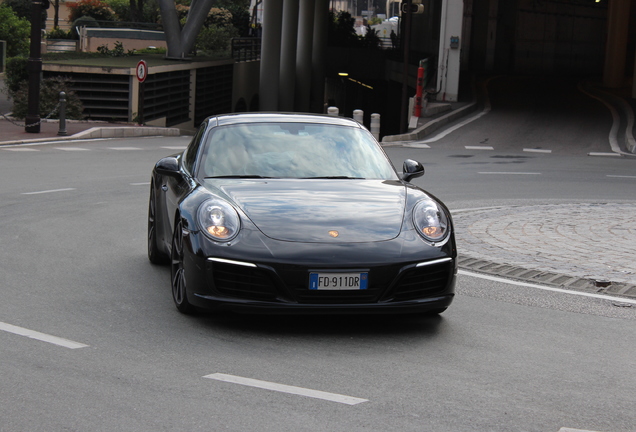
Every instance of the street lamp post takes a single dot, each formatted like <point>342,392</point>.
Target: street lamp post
<point>34,67</point>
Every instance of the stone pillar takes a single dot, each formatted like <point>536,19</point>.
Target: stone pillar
<point>319,53</point>
<point>304,55</point>
<point>270,55</point>
<point>289,44</point>
<point>616,44</point>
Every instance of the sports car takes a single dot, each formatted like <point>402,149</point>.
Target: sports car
<point>298,213</point>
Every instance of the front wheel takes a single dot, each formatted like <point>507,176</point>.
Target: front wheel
<point>154,254</point>
<point>179,293</point>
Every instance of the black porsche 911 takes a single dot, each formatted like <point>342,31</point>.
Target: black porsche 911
<point>295,213</point>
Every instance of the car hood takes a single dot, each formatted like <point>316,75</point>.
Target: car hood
<point>309,210</point>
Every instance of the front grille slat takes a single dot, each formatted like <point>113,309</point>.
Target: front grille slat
<point>416,283</point>
<point>243,282</point>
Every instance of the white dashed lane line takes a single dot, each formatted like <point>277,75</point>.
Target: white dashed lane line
<point>43,337</point>
<point>479,148</point>
<point>20,149</point>
<point>71,149</point>
<point>48,191</point>
<point>529,150</point>
<point>509,173</point>
<point>621,176</point>
<point>282,388</point>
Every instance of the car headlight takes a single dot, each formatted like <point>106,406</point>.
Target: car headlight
<point>430,220</point>
<point>218,220</point>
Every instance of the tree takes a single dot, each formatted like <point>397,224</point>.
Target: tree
<point>15,30</point>
<point>22,9</point>
<point>180,42</point>
<point>90,8</point>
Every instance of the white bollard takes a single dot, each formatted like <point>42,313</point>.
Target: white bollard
<point>358,115</point>
<point>375,125</point>
<point>333,111</point>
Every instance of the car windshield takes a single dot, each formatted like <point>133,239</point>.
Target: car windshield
<point>293,150</point>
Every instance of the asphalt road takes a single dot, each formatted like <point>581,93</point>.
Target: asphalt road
<point>503,357</point>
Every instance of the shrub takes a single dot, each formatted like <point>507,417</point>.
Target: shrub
<point>117,51</point>
<point>91,8</point>
<point>371,39</point>
<point>50,89</point>
<point>15,74</point>
<point>121,9</point>
<point>58,33</point>
<point>215,38</point>
<point>15,31</point>
<point>219,17</point>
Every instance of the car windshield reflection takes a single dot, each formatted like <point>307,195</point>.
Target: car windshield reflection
<point>293,150</point>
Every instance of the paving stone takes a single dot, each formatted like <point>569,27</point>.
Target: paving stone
<point>576,246</point>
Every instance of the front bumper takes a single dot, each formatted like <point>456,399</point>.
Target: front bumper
<point>268,276</point>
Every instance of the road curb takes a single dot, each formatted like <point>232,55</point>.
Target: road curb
<point>104,132</point>
<point>549,278</point>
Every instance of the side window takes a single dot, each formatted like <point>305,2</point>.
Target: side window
<point>193,148</point>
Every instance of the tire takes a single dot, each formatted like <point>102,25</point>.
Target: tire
<point>177,273</point>
<point>154,254</point>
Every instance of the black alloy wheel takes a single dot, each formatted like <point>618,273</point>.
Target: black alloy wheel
<point>154,254</point>
<point>178,276</point>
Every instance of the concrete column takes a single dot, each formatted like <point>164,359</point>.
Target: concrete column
<point>289,44</point>
<point>319,53</point>
<point>270,54</point>
<point>304,55</point>
<point>449,57</point>
<point>634,80</point>
<point>616,45</point>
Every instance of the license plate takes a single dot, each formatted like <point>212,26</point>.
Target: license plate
<point>338,281</point>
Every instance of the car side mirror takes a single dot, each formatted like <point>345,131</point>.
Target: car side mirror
<point>412,169</point>
<point>168,166</point>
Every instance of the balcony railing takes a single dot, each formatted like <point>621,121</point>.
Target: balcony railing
<point>246,49</point>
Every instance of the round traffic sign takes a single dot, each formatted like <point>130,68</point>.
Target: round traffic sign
<point>142,71</point>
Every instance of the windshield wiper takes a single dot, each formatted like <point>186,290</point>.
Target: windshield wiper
<point>334,177</point>
<point>246,176</point>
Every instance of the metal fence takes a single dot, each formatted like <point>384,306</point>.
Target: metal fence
<point>246,49</point>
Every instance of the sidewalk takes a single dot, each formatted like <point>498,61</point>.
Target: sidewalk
<point>12,134</point>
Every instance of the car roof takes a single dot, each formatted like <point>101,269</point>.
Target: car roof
<point>267,117</point>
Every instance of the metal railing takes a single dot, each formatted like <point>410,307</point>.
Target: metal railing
<point>246,49</point>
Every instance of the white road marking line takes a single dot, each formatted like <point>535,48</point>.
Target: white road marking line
<point>530,150</point>
<point>564,429</point>
<point>417,145</point>
<point>48,191</point>
<point>43,337</point>
<point>71,149</point>
<point>457,126</point>
<point>19,149</point>
<point>174,147</point>
<point>547,288</point>
<point>316,394</point>
<point>604,154</point>
<point>124,148</point>
<point>621,176</point>
<point>509,173</point>
<point>140,184</point>
<point>479,147</point>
